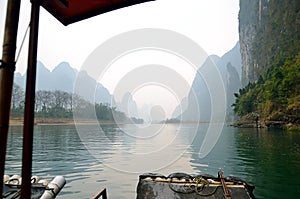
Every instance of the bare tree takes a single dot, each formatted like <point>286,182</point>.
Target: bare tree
<point>44,100</point>
<point>17,97</point>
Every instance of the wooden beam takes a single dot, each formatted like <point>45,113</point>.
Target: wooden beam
<point>7,68</point>
<point>30,101</point>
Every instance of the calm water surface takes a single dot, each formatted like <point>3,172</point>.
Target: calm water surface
<point>268,159</point>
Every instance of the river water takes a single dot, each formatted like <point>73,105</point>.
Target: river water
<point>91,158</point>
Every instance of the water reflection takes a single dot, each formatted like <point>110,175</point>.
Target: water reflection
<point>57,151</point>
<point>271,161</point>
<point>149,149</point>
<point>268,159</point>
<point>219,158</point>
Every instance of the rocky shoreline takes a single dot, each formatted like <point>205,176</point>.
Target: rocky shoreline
<point>253,120</point>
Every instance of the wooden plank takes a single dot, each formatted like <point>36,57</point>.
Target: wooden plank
<point>102,193</point>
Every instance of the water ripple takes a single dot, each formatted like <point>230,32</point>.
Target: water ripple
<point>268,159</point>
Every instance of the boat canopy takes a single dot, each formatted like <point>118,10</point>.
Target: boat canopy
<point>70,11</point>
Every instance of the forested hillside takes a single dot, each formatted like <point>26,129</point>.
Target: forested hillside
<point>270,48</point>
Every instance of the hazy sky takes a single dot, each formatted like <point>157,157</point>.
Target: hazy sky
<point>213,24</point>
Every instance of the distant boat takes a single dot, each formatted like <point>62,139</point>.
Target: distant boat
<point>184,186</point>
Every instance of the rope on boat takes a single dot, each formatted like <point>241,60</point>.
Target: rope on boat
<point>18,55</point>
<point>198,185</point>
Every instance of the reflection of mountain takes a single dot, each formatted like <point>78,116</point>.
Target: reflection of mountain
<point>63,78</point>
<point>221,155</point>
<point>199,102</point>
<point>259,156</point>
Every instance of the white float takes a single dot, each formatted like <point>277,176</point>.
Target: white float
<point>47,190</point>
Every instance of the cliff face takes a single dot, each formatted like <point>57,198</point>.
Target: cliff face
<point>233,86</point>
<point>198,105</point>
<point>250,20</point>
<point>269,35</point>
<point>270,50</point>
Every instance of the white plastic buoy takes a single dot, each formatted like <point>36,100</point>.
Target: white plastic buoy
<point>44,182</point>
<point>34,179</point>
<point>6,178</point>
<point>15,179</point>
<point>55,185</point>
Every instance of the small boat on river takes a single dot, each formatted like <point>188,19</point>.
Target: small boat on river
<point>185,186</point>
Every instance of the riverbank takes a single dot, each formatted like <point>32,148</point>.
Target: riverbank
<point>57,121</point>
<point>253,120</point>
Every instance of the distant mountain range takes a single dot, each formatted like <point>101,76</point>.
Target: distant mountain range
<point>198,105</point>
<point>63,78</point>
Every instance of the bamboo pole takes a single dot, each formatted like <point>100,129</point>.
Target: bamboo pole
<point>7,69</point>
<point>29,101</point>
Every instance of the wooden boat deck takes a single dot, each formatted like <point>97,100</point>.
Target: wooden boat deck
<point>183,186</point>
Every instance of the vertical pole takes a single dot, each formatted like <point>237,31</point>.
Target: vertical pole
<point>7,68</point>
<point>29,101</point>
